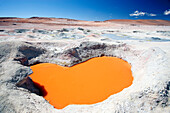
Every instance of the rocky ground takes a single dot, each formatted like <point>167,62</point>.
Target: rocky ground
<point>144,44</point>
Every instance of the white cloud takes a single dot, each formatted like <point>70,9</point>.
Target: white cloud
<point>167,12</point>
<point>151,14</point>
<point>137,13</point>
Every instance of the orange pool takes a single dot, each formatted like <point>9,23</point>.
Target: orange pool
<point>86,83</point>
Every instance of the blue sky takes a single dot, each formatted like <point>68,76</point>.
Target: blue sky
<point>98,10</point>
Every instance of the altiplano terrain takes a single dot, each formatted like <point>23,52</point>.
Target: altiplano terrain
<point>144,44</point>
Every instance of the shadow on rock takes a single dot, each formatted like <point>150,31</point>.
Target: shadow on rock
<point>33,87</point>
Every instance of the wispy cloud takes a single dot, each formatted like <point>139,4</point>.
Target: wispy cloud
<point>167,12</point>
<point>137,13</point>
<point>151,14</point>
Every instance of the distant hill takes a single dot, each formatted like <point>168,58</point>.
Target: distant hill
<point>38,22</point>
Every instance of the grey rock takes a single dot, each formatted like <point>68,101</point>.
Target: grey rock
<point>21,30</point>
<point>19,94</point>
<point>2,30</point>
<point>40,31</point>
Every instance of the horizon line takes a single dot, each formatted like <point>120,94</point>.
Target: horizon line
<point>42,17</point>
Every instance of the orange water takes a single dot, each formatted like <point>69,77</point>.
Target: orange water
<point>86,83</point>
